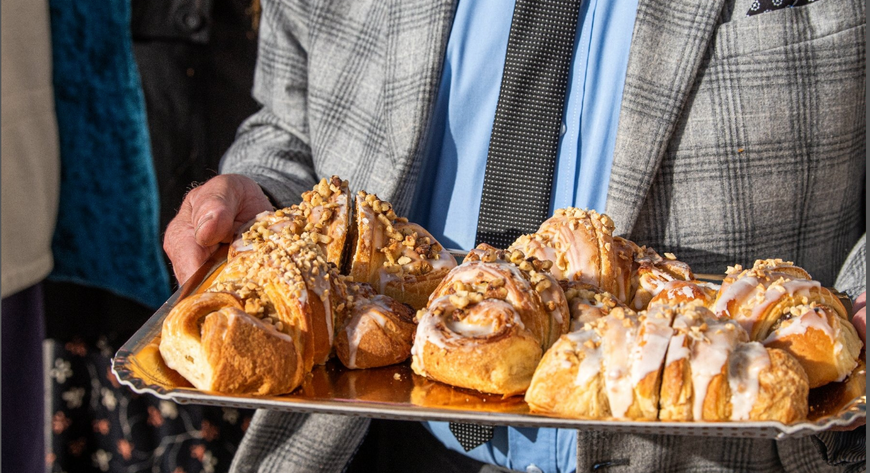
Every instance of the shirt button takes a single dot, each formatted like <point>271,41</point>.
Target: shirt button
<point>563,129</point>
<point>534,468</point>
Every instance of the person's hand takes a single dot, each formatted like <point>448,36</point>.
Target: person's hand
<point>859,317</point>
<point>859,320</point>
<point>210,215</point>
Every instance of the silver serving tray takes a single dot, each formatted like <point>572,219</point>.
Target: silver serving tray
<point>395,392</point>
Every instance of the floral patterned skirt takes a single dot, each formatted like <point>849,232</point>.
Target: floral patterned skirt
<point>96,424</point>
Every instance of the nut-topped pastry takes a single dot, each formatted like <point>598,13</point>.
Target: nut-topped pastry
<point>611,367</point>
<point>324,211</point>
<point>582,247</point>
<point>825,344</point>
<point>288,281</point>
<point>398,258</point>
<point>489,321</point>
<point>378,330</point>
<point>587,303</point>
<point>653,274</point>
<point>287,297</point>
<point>757,297</point>
<point>713,372</point>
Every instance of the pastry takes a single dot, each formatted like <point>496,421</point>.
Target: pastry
<point>826,345</point>
<point>610,368</point>
<point>488,322</point>
<point>282,289</point>
<point>214,344</point>
<point>398,258</point>
<point>287,280</point>
<point>378,330</point>
<point>777,303</point>
<point>757,297</point>
<point>714,373</point>
<point>587,303</point>
<point>677,292</point>
<point>325,210</point>
<point>651,274</point>
<point>671,363</point>
<point>582,247</point>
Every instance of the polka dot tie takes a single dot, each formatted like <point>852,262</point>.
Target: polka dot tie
<point>470,436</point>
<point>525,134</point>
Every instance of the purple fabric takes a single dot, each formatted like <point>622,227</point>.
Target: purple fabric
<point>22,328</point>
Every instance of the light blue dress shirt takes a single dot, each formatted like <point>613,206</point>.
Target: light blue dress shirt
<point>448,197</point>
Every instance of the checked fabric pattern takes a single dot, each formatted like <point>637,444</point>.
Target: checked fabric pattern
<point>525,133</point>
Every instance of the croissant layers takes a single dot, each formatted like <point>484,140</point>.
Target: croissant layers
<point>669,363</point>
<point>779,305</point>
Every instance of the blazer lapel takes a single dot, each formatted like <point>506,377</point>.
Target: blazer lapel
<point>417,33</point>
<point>668,45</point>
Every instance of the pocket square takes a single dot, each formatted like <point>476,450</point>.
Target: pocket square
<point>764,6</point>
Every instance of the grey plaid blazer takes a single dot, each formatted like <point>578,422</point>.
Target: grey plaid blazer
<point>739,138</point>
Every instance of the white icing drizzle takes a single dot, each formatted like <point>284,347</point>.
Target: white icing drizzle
<point>710,349</point>
<point>590,365</point>
<point>619,353</point>
<point>745,288</point>
<point>677,348</point>
<point>364,319</point>
<point>811,318</point>
<point>653,339</point>
<point>745,364</point>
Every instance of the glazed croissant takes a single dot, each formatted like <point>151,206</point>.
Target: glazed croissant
<point>398,258</point>
<point>581,245</point>
<point>779,305</point>
<point>583,248</point>
<point>489,321</point>
<point>378,330</point>
<point>669,363</point>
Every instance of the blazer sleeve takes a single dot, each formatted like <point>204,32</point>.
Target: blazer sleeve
<point>852,279</point>
<point>272,146</point>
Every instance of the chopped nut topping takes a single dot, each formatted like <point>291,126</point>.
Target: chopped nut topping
<point>458,301</point>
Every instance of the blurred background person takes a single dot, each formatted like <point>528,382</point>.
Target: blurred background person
<point>147,95</point>
<point>30,165</point>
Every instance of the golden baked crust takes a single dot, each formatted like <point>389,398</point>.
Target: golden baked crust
<point>214,344</point>
<point>824,344</point>
<point>398,258</point>
<point>378,332</point>
<point>488,323</point>
<point>609,368</point>
<point>582,247</point>
<point>325,211</point>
